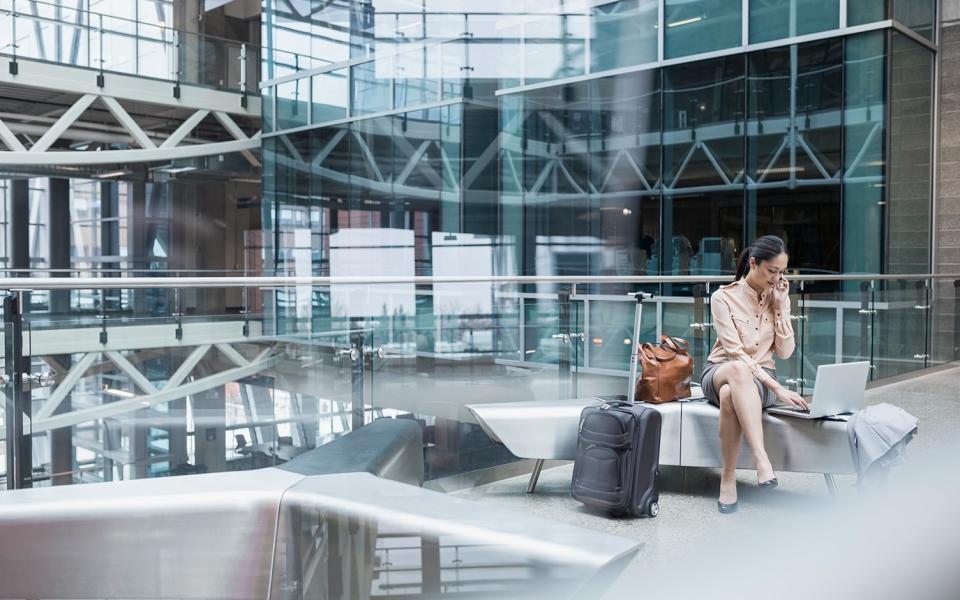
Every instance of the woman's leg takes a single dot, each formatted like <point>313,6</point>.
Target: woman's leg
<point>747,404</point>
<point>730,436</point>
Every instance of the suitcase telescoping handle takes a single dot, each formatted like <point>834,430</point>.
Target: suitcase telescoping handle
<point>637,315</point>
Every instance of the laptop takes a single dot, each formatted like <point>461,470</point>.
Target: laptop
<point>838,391</point>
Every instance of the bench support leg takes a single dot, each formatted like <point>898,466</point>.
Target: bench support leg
<point>534,476</point>
<point>831,484</point>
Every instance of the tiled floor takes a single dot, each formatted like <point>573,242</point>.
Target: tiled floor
<point>689,518</point>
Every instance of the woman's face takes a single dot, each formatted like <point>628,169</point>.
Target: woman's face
<point>767,273</point>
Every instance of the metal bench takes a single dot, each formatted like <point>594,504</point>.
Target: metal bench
<point>547,430</point>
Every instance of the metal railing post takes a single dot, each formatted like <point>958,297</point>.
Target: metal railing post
<point>100,79</point>
<point>357,341</point>
<point>243,75</point>
<point>18,418</point>
<point>178,70</point>
<point>563,338</point>
<point>14,65</point>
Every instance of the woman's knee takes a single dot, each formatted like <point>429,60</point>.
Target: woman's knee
<point>737,373</point>
<point>726,398</point>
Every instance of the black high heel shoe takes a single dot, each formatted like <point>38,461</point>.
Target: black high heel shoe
<point>726,509</point>
<point>769,484</point>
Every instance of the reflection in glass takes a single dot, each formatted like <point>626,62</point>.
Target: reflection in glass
<point>777,19</point>
<point>918,15</point>
<point>623,33</point>
<point>293,101</point>
<point>860,12</point>
<point>697,26</point>
<point>329,100</point>
<point>864,164</point>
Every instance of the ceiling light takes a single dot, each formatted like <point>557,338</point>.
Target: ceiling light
<point>685,22</point>
<point>117,393</point>
<point>111,174</point>
<point>173,170</point>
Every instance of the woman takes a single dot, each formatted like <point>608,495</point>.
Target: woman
<point>752,320</point>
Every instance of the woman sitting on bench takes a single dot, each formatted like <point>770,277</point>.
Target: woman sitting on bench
<point>752,320</point>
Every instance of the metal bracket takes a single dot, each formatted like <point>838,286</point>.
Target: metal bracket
<point>378,351</point>
<point>921,356</point>
<point>700,326</point>
<point>922,307</point>
<point>867,311</point>
<point>352,352</point>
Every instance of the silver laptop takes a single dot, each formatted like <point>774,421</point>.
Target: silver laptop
<point>838,391</point>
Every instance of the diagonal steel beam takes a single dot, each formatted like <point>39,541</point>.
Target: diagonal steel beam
<point>121,407</point>
<point>368,155</point>
<point>813,157</point>
<point>412,163</point>
<point>63,123</point>
<point>138,378</point>
<point>233,129</point>
<point>66,386</point>
<point>231,353</point>
<point>123,117</point>
<point>185,128</point>
<point>10,139</point>
<point>188,364</point>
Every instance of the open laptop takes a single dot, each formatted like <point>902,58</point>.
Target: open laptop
<point>838,391</point>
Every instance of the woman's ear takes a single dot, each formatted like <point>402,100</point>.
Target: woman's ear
<point>753,263</point>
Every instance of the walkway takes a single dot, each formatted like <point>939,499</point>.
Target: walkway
<point>688,517</point>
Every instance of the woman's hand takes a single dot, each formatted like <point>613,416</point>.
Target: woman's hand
<point>781,294</point>
<point>792,398</point>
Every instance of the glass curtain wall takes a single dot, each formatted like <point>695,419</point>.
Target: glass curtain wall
<point>706,156</point>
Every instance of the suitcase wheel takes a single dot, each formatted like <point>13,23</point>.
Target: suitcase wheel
<point>653,510</point>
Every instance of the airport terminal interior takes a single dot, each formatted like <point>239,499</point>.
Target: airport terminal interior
<point>304,298</point>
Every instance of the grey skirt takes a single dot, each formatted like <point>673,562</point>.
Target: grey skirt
<point>712,393</point>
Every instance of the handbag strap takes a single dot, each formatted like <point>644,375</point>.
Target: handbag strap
<point>675,343</point>
<point>647,351</point>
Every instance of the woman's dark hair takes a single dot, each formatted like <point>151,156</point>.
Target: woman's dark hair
<point>763,248</point>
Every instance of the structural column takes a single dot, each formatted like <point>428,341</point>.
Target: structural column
<point>62,458</point>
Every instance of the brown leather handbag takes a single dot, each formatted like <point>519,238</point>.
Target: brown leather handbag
<point>667,369</point>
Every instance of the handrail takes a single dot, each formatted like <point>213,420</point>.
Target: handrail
<point>133,22</point>
<point>104,283</point>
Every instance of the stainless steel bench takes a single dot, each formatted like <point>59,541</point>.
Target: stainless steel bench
<point>547,430</point>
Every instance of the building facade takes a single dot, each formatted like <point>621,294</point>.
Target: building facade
<point>622,138</point>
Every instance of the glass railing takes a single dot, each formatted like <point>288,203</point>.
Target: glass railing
<point>174,375</point>
<point>59,34</point>
<point>406,76</point>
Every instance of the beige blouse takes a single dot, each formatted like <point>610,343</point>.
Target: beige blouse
<point>749,328</point>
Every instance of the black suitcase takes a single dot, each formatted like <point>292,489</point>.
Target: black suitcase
<point>618,458</point>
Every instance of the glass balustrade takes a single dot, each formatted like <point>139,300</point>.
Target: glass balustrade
<point>166,380</point>
<point>58,34</point>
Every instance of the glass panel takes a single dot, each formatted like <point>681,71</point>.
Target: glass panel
<point>864,165</point>
<point>416,76</point>
<point>623,33</point>
<point>866,11</point>
<point>625,173</point>
<point>293,101</point>
<point>269,119</point>
<point>911,132</point>
<point>555,47</point>
<point>918,15</point>
<point>371,83</point>
<point>697,26</point>
<point>900,327</point>
<point>777,19</point>
<point>329,101</point>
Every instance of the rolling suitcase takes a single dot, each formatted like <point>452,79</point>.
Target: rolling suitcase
<point>618,448</point>
<point>618,457</point>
